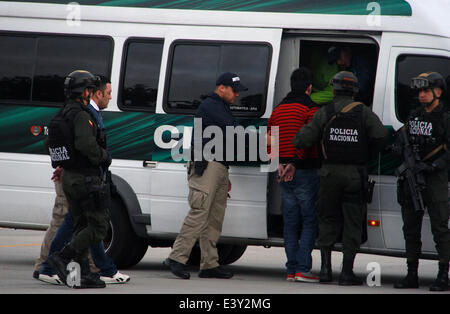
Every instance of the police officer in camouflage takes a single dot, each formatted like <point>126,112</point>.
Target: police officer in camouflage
<point>350,134</point>
<point>86,192</point>
<point>428,130</point>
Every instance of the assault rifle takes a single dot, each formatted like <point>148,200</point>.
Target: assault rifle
<point>409,170</point>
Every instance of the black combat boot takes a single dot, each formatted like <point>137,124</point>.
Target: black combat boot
<point>411,280</point>
<point>217,272</point>
<point>87,279</point>
<point>177,268</point>
<point>441,283</point>
<point>326,274</point>
<point>347,277</point>
<point>59,261</point>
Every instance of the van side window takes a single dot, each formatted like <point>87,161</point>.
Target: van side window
<point>34,66</point>
<point>409,66</point>
<point>140,74</point>
<point>195,67</point>
<point>17,57</point>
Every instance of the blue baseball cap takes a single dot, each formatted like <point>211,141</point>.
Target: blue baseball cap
<point>232,80</point>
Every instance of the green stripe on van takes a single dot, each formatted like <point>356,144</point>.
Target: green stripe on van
<point>130,135</point>
<point>351,7</point>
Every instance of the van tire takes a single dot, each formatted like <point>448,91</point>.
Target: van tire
<point>122,244</point>
<point>228,253</point>
<point>233,255</point>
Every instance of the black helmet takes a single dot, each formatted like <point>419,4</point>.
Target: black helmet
<point>428,80</point>
<point>345,81</point>
<point>77,81</point>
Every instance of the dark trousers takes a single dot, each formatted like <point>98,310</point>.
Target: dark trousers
<point>97,250</point>
<point>341,210</point>
<point>299,212</point>
<point>435,197</point>
<point>90,219</point>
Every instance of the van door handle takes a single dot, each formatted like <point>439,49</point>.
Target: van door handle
<point>149,164</point>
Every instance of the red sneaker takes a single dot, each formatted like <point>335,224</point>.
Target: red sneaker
<point>306,277</point>
<point>290,278</point>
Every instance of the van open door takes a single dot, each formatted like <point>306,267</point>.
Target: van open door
<point>193,57</point>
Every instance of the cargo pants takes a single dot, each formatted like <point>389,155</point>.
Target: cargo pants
<point>90,219</point>
<point>435,197</point>
<point>208,200</point>
<point>60,210</point>
<point>341,208</point>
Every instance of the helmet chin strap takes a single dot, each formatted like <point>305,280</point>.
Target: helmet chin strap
<point>88,98</point>
<point>428,104</point>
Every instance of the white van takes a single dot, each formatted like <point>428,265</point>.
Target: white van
<point>163,57</point>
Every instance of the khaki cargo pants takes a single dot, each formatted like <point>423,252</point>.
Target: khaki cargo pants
<point>208,200</point>
<point>60,210</point>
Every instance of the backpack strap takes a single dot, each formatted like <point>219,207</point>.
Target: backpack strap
<point>331,114</point>
<point>435,151</point>
<point>351,106</point>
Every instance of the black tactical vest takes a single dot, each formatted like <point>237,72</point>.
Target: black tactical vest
<point>344,138</point>
<point>426,131</point>
<point>61,142</point>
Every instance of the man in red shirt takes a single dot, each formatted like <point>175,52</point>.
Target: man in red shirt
<point>298,176</point>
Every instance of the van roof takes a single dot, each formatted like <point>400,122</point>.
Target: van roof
<point>411,16</point>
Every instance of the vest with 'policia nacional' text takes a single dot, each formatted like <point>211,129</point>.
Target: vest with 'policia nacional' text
<point>426,131</point>
<point>61,144</point>
<point>344,140</point>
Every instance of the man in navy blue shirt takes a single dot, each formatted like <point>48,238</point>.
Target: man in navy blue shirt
<point>208,185</point>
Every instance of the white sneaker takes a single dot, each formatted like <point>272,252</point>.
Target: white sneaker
<point>54,279</point>
<point>117,278</point>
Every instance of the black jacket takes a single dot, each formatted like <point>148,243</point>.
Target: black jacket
<point>213,111</point>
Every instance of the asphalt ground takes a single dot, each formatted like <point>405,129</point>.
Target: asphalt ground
<point>259,282</point>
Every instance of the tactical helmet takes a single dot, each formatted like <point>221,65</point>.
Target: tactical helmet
<point>428,80</point>
<point>77,81</point>
<point>345,81</point>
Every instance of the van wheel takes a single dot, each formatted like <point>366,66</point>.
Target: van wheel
<point>121,243</point>
<point>233,255</point>
<point>228,254</point>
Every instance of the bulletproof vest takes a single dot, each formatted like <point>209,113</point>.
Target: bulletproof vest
<point>344,138</point>
<point>426,131</point>
<point>61,140</point>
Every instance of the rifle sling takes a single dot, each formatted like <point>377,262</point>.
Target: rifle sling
<point>344,110</point>
<point>435,151</point>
